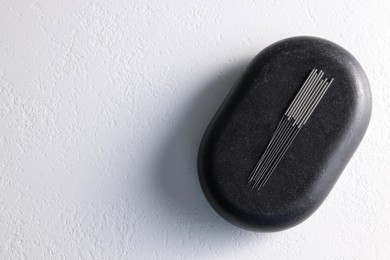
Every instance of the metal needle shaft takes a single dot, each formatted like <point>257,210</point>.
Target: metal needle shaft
<point>295,117</point>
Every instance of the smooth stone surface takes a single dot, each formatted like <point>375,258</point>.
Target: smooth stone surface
<point>246,121</point>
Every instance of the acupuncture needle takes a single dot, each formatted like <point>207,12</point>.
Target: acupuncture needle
<point>306,95</point>
<point>308,82</point>
<point>294,118</point>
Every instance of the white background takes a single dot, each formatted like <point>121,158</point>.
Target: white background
<point>102,107</point>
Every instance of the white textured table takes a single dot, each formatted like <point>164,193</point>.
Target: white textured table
<point>102,107</point>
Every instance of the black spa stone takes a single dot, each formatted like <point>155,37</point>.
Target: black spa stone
<point>244,124</point>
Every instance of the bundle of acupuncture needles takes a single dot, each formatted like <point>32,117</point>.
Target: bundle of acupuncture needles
<point>297,114</point>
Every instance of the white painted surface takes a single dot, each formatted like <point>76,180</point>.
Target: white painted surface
<point>102,107</point>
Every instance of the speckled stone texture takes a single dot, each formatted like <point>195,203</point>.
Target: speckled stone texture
<point>240,132</point>
<point>103,105</point>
